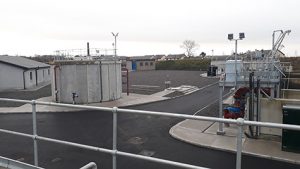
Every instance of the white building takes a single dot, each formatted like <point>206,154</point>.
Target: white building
<point>21,73</point>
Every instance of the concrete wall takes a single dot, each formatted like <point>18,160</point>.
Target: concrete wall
<point>91,82</point>
<point>42,77</point>
<point>30,82</point>
<point>11,77</point>
<point>271,111</point>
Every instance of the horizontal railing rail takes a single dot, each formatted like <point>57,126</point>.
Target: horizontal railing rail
<point>114,152</point>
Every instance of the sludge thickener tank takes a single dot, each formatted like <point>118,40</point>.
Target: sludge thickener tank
<point>86,81</point>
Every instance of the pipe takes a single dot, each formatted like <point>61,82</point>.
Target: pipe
<point>88,49</point>
<point>101,83</point>
<point>127,74</point>
<point>24,83</point>
<point>55,84</point>
<point>36,76</point>
<point>251,102</point>
<point>257,106</point>
<point>90,165</point>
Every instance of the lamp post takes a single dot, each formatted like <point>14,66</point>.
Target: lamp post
<point>115,35</point>
<point>230,37</point>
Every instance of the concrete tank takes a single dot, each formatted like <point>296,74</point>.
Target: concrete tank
<point>88,81</point>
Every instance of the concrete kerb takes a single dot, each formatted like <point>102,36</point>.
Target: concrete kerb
<point>49,111</point>
<point>232,151</point>
<point>172,133</point>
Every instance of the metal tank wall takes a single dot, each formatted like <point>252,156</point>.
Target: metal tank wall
<point>91,81</point>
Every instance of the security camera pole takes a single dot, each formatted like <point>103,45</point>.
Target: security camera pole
<point>230,37</point>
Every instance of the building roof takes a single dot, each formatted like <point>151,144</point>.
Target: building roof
<point>22,62</point>
<point>144,58</point>
<point>175,56</point>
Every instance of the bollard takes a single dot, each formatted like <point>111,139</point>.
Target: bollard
<point>35,146</point>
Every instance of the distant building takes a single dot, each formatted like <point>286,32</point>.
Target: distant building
<point>140,63</point>
<point>219,61</point>
<point>21,73</point>
<point>261,54</point>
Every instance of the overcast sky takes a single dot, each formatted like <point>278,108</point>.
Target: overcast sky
<point>145,27</point>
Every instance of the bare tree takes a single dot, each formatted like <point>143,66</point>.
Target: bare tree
<point>202,54</point>
<point>190,46</point>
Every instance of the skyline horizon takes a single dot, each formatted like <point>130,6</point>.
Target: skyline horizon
<point>145,27</point>
<point>124,48</point>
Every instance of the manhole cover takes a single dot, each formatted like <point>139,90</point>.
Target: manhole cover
<point>147,153</point>
<point>136,140</point>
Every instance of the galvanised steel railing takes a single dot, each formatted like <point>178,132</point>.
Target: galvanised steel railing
<point>114,152</point>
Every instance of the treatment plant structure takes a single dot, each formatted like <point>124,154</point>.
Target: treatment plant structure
<point>84,82</point>
<point>256,81</point>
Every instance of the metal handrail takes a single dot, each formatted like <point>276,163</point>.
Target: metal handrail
<point>90,165</point>
<point>114,152</point>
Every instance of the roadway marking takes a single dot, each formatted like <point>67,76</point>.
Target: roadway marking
<point>149,86</point>
<point>211,104</point>
<point>207,86</point>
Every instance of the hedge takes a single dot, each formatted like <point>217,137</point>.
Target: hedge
<point>185,64</point>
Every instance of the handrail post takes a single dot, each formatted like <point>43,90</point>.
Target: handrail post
<point>114,158</point>
<point>34,126</point>
<point>239,142</point>
<point>220,129</point>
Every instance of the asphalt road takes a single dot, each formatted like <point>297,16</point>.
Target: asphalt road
<point>140,134</point>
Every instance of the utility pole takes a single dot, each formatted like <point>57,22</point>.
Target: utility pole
<point>115,36</point>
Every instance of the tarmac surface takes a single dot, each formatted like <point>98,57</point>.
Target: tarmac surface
<point>150,82</point>
<point>31,94</point>
<point>139,134</point>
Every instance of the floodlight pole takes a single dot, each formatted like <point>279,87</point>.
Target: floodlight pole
<point>235,62</point>
<point>230,37</point>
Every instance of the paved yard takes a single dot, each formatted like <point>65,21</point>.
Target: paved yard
<point>149,82</point>
<point>141,82</point>
<point>24,95</point>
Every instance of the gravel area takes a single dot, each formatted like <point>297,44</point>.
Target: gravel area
<point>149,82</point>
<point>24,95</point>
